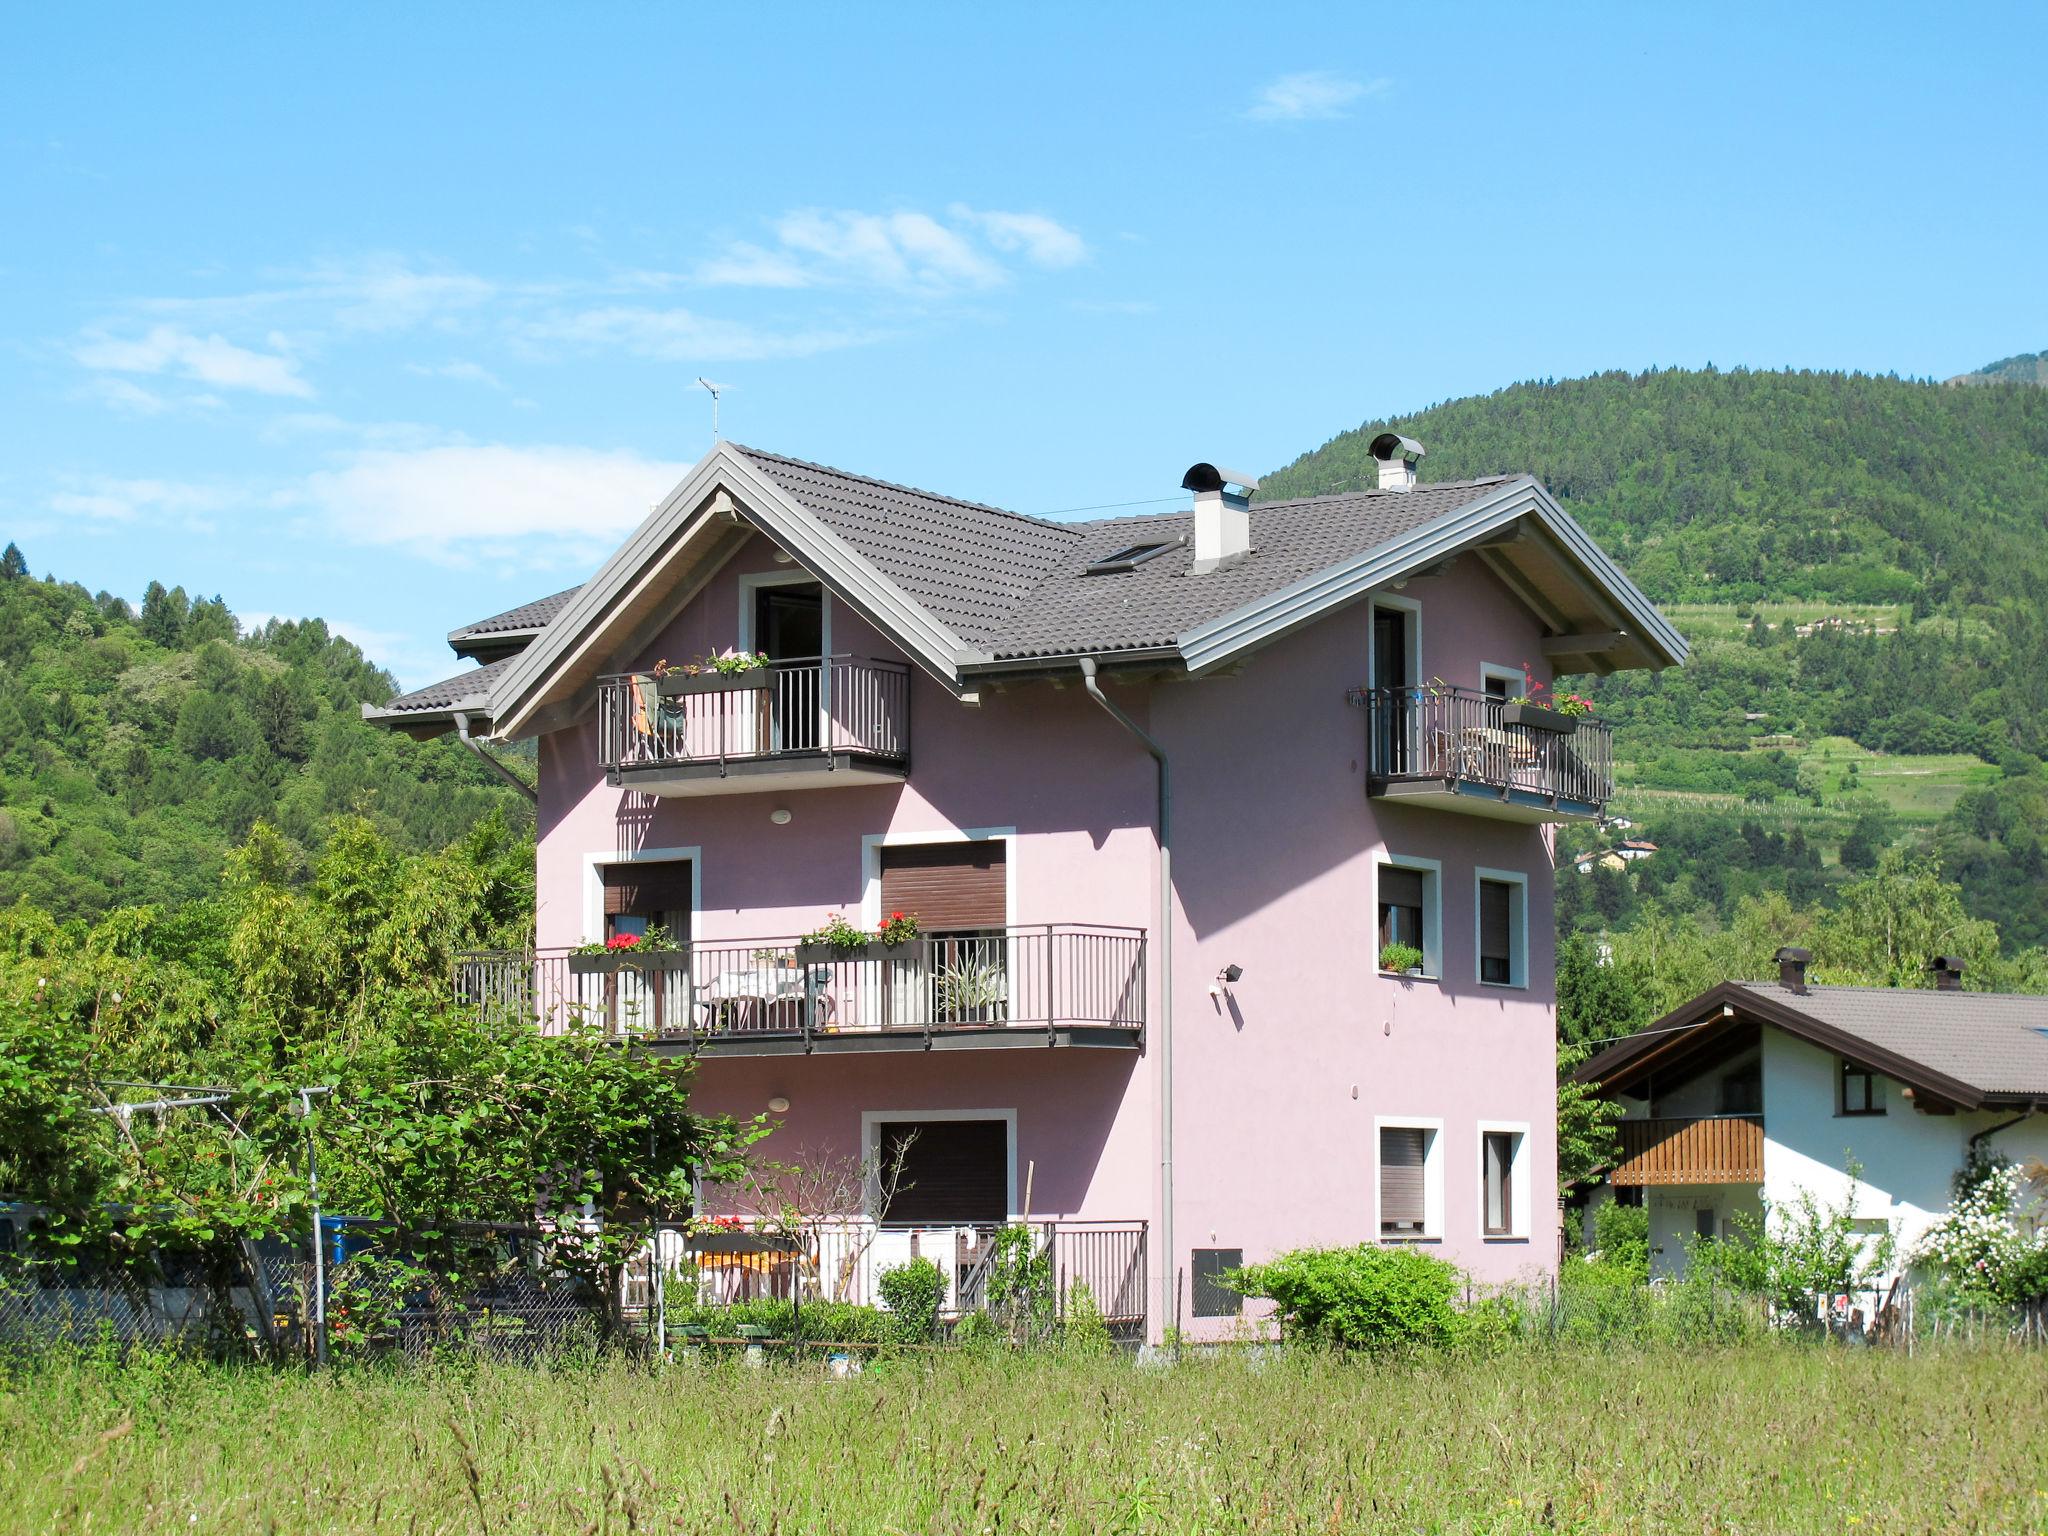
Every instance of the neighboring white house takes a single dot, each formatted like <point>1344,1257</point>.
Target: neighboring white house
<point>1755,1091</point>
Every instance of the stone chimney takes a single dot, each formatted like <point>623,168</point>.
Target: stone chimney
<point>1792,964</point>
<point>1223,516</point>
<point>1398,457</point>
<point>1948,972</point>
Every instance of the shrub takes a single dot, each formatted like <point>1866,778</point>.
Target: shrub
<point>1087,1330</point>
<point>1621,1236</point>
<point>829,1322</point>
<point>1358,1298</point>
<point>912,1292</point>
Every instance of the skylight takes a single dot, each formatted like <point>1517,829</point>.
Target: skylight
<point>1129,557</point>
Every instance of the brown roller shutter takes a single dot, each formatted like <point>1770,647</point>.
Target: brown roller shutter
<point>946,886</point>
<point>1495,902</point>
<point>955,1172</point>
<point>649,890</point>
<point>1400,887</point>
<point>1402,1149</point>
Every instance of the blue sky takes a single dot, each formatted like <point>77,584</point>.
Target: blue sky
<point>393,315</point>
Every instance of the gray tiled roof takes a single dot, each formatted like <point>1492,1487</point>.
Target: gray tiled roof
<point>1993,1041</point>
<point>469,689</point>
<point>1017,586</point>
<point>533,615</point>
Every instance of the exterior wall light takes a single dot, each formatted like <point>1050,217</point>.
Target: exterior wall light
<point>780,816</point>
<point>778,1105</point>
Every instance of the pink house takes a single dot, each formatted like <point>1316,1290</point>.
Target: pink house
<point>1157,790</point>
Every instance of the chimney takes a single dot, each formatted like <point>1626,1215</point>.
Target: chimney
<point>1792,965</point>
<point>1948,972</point>
<point>1398,457</point>
<point>1223,516</point>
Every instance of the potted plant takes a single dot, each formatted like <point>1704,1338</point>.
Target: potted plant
<point>1536,708</point>
<point>840,940</point>
<point>729,671</point>
<point>1401,959</point>
<point>651,951</point>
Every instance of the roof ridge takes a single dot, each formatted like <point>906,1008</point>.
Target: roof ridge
<point>897,485</point>
<point>1136,519</point>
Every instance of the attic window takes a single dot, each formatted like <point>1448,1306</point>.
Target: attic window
<point>1129,558</point>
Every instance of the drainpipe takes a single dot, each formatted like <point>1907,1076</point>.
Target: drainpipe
<point>1978,1140</point>
<point>490,762</point>
<point>1087,664</point>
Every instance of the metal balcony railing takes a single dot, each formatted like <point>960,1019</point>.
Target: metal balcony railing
<point>815,706</point>
<point>1050,978</point>
<point>1459,735</point>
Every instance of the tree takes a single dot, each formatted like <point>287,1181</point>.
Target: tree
<point>1889,926</point>
<point>163,615</point>
<point>13,563</point>
<point>1595,1001</point>
<point>1586,1140</point>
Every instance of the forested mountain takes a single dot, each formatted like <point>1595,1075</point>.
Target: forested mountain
<point>2022,368</point>
<point>1715,487</point>
<point>137,748</point>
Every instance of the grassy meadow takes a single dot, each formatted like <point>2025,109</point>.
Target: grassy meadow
<point>1763,1438</point>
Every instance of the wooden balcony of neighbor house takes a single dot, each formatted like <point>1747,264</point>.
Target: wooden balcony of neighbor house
<point>1461,750</point>
<point>1701,1149</point>
<point>805,724</point>
<point>1057,984</point>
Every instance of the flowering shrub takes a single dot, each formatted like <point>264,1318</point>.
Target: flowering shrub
<point>897,929</point>
<point>837,933</point>
<point>1576,705</point>
<point>656,937</point>
<point>1980,1242</point>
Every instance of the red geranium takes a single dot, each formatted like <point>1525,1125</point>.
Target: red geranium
<point>622,941</point>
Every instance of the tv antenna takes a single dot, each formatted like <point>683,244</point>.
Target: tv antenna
<point>715,390</point>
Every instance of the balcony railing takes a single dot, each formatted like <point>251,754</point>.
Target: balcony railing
<point>1056,983</point>
<point>818,707</point>
<point>1470,744</point>
<point>840,1259</point>
<point>1701,1149</point>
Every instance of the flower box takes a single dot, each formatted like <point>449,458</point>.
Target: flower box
<point>1534,717</point>
<point>744,1242</point>
<point>679,685</point>
<point>874,949</point>
<point>613,961</point>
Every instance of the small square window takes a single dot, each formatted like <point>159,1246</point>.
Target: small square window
<point>1862,1091</point>
<point>1212,1298</point>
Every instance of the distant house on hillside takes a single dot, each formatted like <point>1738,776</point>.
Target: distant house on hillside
<point>1154,790</point>
<point>1754,1091</point>
<point>1622,854</point>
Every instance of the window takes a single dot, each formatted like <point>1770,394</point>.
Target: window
<point>1411,1191</point>
<point>1503,928</point>
<point>647,894</point>
<point>1742,1090</point>
<point>1503,1180</point>
<point>1128,558</point>
<point>1212,1297</point>
<point>1862,1090</point>
<point>1408,909</point>
<point>952,1172</point>
<point>1703,1223</point>
<point>959,894</point>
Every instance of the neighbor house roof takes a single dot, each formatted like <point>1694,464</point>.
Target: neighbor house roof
<point>1969,1049</point>
<point>970,590</point>
<point>504,634</point>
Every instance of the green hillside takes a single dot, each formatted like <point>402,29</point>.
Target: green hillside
<point>1859,563</point>
<point>137,749</point>
<point>2021,368</point>
<point>1715,487</point>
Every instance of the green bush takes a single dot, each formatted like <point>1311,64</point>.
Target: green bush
<point>1087,1330</point>
<point>1358,1298</point>
<point>1621,1236</point>
<point>828,1322</point>
<point>913,1292</point>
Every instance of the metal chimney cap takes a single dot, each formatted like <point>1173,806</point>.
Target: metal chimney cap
<point>1207,477</point>
<point>1791,956</point>
<point>1390,445</point>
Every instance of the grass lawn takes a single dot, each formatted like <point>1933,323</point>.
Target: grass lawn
<point>1764,1438</point>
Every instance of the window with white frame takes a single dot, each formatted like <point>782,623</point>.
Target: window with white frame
<point>1502,924</point>
<point>1410,1179</point>
<point>1409,908</point>
<point>1503,1180</point>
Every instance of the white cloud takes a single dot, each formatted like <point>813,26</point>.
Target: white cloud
<point>466,372</point>
<point>681,335</point>
<point>1045,242</point>
<point>904,250</point>
<point>388,293</point>
<point>214,360</point>
<point>455,503</point>
<point>1313,94</point>
<point>107,498</point>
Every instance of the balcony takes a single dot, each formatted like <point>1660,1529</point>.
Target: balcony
<point>1704,1149</point>
<point>1460,750</point>
<point>807,724</point>
<point>1053,985</point>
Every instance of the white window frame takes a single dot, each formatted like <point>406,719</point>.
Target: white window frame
<point>750,587</point>
<point>1515,677</point>
<point>872,1120</point>
<point>1518,927</point>
<point>1412,623</point>
<point>593,884</point>
<point>1520,1227</point>
<point>1432,1176</point>
<point>1432,872</point>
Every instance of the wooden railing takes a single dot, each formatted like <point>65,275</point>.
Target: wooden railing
<point>1456,734</point>
<point>814,706</point>
<point>1703,1149</point>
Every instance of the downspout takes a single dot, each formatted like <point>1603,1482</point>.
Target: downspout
<point>1088,679</point>
<point>1977,1140</point>
<point>490,762</point>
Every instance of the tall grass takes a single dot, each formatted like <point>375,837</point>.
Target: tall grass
<point>1763,1438</point>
